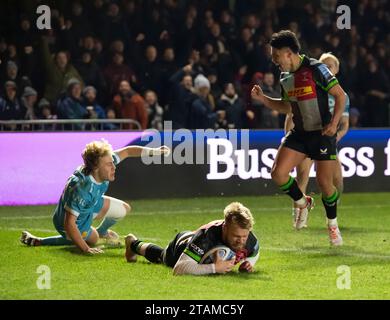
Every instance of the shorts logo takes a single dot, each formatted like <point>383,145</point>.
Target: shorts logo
<point>301,91</point>
<point>324,151</point>
<point>197,249</point>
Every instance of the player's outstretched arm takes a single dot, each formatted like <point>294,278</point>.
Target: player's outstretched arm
<point>74,234</point>
<point>271,103</point>
<point>186,265</point>
<point>138,151</point>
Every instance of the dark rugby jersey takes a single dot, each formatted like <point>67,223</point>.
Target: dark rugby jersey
<point>210,236</point>
<point>307,91</point>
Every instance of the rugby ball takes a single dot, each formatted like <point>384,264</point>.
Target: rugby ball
<point>224,252</point>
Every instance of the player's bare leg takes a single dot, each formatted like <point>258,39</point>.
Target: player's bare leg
<point>287,159</point>
<point>330,196</point>
<point>303,171</point>
<point>338,177</point>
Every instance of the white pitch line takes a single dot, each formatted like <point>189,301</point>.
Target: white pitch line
<point>192,211</point>
<point>25,217</point>
<point>54,231</point>
<point>22,229</point>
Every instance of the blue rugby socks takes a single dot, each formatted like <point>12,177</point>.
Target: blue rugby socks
<point>105,225</point>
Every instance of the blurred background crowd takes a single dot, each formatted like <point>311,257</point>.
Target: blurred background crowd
<point>192,62</point>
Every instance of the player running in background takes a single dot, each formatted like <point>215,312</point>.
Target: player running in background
<point>186,250</point>
<point>303,169</point>
<point>305,86</point>
<point>83,199</point>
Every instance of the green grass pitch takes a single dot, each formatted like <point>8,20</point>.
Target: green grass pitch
<point>293,265</point>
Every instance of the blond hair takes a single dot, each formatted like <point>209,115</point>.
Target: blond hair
<point>329,55</point>
<point>93,152</point>
<point>238,214</point>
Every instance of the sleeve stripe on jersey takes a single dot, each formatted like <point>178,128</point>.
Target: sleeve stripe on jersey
<point>75,213</point>
<point>331,84</point>
<point>192,255</point>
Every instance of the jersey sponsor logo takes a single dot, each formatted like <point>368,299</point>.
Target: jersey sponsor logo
<point>300,91</point>
<point>197,249</point>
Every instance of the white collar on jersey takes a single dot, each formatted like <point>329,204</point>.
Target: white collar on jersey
<point>93,180</point>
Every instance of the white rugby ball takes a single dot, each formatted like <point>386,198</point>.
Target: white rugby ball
<point>224,252</point>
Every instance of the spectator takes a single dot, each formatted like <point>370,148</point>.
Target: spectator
<point>202,112</point>
<point>150,71</point>
<point>187,35</point>
<point>29,101</point>
<point>208,57</point>
<point>114,24</point>
<point>354,118</point>
<point>168,67</point>
<point>215,89</point>
<point>253,107</point>
<point>58,72</point>
<point>110,114</point>
<point>70,106</point>
<point>25,35</point>
<point>45,113</point>
<point>155,111</point>
<point>376,88</point>
<point>269,118</point>
<point>80,24</point>
<point>233,108</point>
<point>128,104</point>
<point>181,97</point>
<point>90,103</point>
<point>228,26</point>
<point>91,73</point>
<point>12,54</point>
<point>97,16</point>
<point>12,74</point>
<point>232,44</point>
<point>10,105</point>
<point>116,72</point>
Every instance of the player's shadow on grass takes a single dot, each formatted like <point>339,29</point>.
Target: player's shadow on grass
<point>240,276</point>
<point>108,252</point>
<point>235,274</point>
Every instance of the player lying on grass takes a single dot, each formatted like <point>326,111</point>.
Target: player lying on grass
<point>83,199</point>
<point>186,250</point>
<point>305,85</point>
<point>303,169</point>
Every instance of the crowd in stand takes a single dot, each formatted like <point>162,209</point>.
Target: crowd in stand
<point>191,62</point>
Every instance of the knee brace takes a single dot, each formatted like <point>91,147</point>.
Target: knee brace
<point>117,209</point>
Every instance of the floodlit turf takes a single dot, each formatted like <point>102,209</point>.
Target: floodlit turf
<point>293,265</point>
